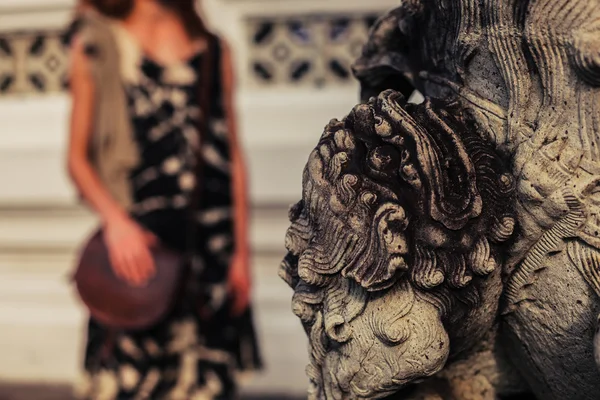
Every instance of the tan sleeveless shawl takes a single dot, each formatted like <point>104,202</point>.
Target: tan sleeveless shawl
<point>113,150</point>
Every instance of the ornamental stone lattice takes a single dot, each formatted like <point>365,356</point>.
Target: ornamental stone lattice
<point>451,249</point>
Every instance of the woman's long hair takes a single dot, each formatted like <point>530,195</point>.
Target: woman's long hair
<point>184,9</point>
<point>189,16</point>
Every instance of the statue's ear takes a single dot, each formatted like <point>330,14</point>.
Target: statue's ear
<point>435,149</point>
<point>454,198</point>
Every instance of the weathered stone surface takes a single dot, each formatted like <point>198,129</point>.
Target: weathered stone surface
<point>457,241</point>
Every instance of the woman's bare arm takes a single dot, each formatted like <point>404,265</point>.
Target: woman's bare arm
<point>239,276</point>
<point>240,180</point>
<point>128,244</point>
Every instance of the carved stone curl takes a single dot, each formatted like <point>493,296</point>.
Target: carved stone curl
<point>457,241</point>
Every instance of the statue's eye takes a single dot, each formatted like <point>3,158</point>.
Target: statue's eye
<point>384,158</point>
<point>405,156</point>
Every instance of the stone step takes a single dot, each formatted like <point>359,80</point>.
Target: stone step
<point>62,392</point>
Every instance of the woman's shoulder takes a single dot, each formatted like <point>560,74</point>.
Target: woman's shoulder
<point>106,44</point>
<point>80,48</point>
<point>91,30</point>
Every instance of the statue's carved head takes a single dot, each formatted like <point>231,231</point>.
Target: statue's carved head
<point>403,213</point>
<point>494,56</point>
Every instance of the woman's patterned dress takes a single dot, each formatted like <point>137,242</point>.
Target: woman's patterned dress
<point>198,351</point>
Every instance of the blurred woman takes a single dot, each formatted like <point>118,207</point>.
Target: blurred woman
<point>160,161</point>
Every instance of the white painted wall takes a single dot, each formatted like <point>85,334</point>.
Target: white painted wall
<point>278,130</point>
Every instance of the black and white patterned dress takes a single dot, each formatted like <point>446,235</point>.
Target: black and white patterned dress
<point>188,356</point>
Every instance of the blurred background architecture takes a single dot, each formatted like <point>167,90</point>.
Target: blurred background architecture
<point>292,59</point>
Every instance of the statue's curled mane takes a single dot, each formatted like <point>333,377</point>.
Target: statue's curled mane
<point>427,203</point>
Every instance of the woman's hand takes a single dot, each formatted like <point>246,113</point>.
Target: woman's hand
<point>129,250</point>
<point>239,282</point>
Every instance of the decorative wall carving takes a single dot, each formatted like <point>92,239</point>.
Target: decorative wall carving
<point>297,51</point>
<point>306,50</point>
<point>455,242</point>
<point>32,62</point>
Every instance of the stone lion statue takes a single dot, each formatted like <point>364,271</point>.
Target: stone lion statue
<point>450,249</point>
